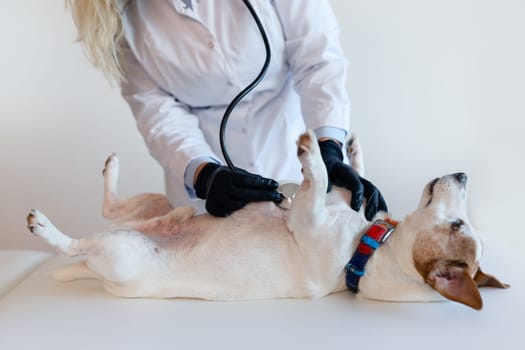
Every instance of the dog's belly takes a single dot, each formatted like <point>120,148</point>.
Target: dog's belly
<point>249,255</point>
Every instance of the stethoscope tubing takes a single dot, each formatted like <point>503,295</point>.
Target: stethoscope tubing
<point>247,89</point>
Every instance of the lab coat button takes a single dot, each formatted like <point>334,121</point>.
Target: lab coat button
<point>211,45</point>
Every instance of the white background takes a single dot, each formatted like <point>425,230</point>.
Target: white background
<point>436,87</point>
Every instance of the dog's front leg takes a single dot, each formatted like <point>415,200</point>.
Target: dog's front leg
<point>308,211</point>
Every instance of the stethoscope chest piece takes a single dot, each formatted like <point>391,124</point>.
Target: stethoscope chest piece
<point>288,190</point>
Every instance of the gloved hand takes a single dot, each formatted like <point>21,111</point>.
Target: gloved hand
<point>341,174</point>
<point>226,191</point>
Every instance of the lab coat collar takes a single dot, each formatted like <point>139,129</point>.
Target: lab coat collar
<point>188,8</point>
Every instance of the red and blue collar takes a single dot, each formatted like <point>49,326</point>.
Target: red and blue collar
<point>376,235</point>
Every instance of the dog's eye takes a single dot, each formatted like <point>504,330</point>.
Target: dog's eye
<point>457,225</point>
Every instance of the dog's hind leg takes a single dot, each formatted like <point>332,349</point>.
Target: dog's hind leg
<point>140,207</point>
<point>308,208</point>
<point>75,271</point>
<point>40,226</point>
<point>100,251</point>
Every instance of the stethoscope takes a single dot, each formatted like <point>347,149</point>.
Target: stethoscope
<point>286,189</point>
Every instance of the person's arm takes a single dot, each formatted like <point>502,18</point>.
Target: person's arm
<point>170,131</point>
<point>174,139</point>
<point>318,65</point>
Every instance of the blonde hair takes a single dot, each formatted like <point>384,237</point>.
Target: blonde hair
<point>100,31</point>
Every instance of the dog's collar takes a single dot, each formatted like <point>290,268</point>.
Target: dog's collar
<point>376,235</point>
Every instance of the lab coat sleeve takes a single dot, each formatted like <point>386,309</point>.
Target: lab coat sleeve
<point>317,61</point>
<point>170,131</point>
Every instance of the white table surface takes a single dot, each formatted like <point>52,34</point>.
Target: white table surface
<point>40,313</point>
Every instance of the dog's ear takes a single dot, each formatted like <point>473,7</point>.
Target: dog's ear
<point>451,279</point>
<point>485,280</point>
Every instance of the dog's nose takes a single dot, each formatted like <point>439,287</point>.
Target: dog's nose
<point>461,177</point>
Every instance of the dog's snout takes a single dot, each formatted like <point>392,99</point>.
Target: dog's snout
<point>461,177</point>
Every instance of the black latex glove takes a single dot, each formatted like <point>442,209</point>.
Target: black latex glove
<point>226,191</point>
<point>342,175</point>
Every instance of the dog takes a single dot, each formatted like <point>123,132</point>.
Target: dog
<point>263,251</point>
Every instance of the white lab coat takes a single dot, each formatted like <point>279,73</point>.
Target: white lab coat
<point>184,61</point>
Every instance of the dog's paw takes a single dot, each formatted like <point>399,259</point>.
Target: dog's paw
<point>111,165</point>
<point>353,147</point>
<point>305,143</point>
<point>355,155</point>
<point>37,223</point>
<point>181,214</point>
<point>309,155</point>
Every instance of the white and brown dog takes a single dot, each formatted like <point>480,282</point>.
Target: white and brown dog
<point>263,251</point>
